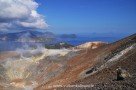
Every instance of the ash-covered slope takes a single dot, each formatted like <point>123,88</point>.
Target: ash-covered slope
<point>97,68</point>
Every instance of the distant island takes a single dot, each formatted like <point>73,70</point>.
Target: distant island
<point>28,36</point>
<point>68,36</point>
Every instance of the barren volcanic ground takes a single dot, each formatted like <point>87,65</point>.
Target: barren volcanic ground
<point>70,69</point>
<point>26,69</point>
<point>96,68</point>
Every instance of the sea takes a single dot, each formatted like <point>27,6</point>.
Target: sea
<point>12,45</point>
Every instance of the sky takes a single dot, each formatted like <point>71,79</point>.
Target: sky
<point>69,16</point>
<point>89,16</point>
